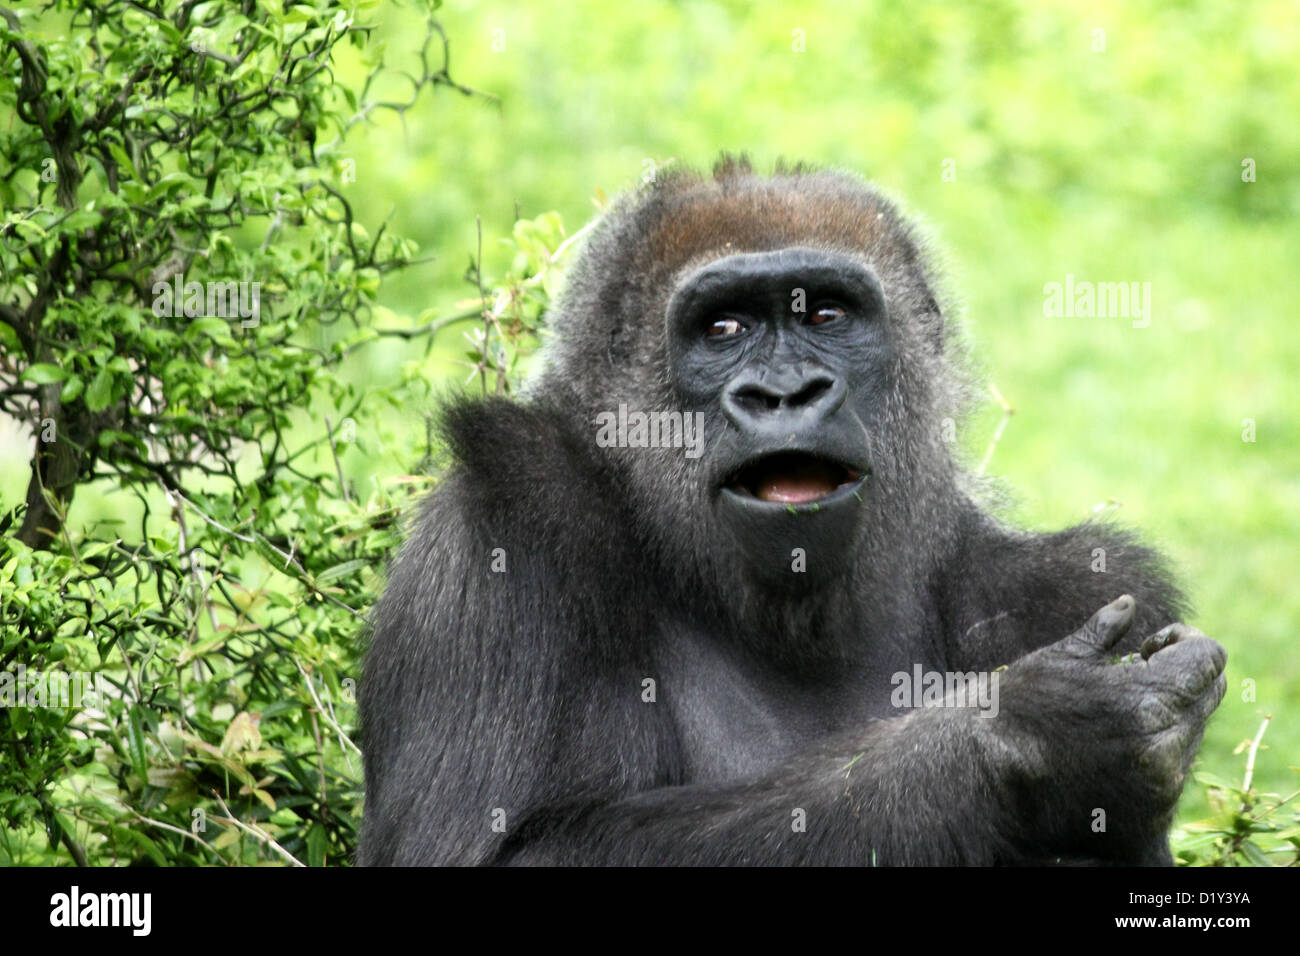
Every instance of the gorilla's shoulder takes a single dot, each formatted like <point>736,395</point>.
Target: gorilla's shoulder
<point>512,446</point>
<point>522,469</point>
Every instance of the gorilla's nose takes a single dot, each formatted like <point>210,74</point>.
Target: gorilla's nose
<point>781,404</point>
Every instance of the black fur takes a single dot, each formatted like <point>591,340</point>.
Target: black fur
<point>516,697</point>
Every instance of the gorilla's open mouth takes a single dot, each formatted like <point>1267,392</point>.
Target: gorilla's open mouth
<point>791,478</point>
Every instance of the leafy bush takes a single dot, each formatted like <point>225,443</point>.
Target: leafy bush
<point>181,277</point>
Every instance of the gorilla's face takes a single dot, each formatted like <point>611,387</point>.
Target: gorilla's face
<point>787,352</point>
<point>796,318</point>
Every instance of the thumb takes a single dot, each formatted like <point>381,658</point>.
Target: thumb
<point>1105,628</point>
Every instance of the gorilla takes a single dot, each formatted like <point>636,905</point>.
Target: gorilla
<point>796,637</point>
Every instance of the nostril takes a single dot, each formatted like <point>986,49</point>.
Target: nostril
<point>811,393</point>
<point>757,399</point>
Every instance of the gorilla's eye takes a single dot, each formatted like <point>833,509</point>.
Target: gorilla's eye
<point>827,312</point>
<point>724,326</point>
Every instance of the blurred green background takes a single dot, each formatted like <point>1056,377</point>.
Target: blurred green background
<point>1106,142</point>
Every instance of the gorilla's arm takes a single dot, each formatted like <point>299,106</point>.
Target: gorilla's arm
<point>1008,592</point>
<point>944,785</point>
<point>497,662</point>
<point>920,789</point>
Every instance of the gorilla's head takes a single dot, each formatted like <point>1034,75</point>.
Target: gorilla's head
<point>795,313</point>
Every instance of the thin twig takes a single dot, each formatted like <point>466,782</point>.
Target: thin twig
<point>324,712</point>
<point>1007,412</point>
<point>483,305</point>
<point>288,559</point>
<point>181,830</point>
<point>257,832</point>
<point>338,468</point>
<point>1250,754</point>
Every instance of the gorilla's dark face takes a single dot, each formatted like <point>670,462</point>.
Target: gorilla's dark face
<point>787,347</point>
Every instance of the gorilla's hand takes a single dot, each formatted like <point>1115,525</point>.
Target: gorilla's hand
<point>1085,731</point>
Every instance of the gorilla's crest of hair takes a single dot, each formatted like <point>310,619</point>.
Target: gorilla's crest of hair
<point>684,216</point>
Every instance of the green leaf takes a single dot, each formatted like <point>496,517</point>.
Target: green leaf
<point>200,649</point>
<point>284,817</point>
<point>213,327</point>
<point>72,388</point>
<point>1254,854</point>
<point>100,393</point>
<point>135,742</point>
<point>66,826</point>
<point>341,570</point>
<point>110,436</point>
<point>81,219</point>
<point>8,337</point>
<point>118,153</point>
<point>43,373</point>
<point>317,840</point>
<point>29,230</point>
<point>281,707</point>
<point>169,31</point>
<point>1207,779</point>
<point>127,835</point>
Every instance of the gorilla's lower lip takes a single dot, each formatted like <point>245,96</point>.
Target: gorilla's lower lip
<point>793,481</point>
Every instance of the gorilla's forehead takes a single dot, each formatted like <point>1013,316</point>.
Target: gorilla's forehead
<point>652,240</point>
<point>683,227</point>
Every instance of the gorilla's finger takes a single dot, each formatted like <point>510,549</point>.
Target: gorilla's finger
<point>1167,636</point>
<point>1210,698</point>
<point>1190,665</point>
<point>1157,641</point>
<point>1105,628</point>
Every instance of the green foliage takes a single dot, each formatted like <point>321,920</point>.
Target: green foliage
<point>1246,828</point>
<point>181,276</point>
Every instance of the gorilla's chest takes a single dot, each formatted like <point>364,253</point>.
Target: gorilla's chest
<point>734,718</point>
